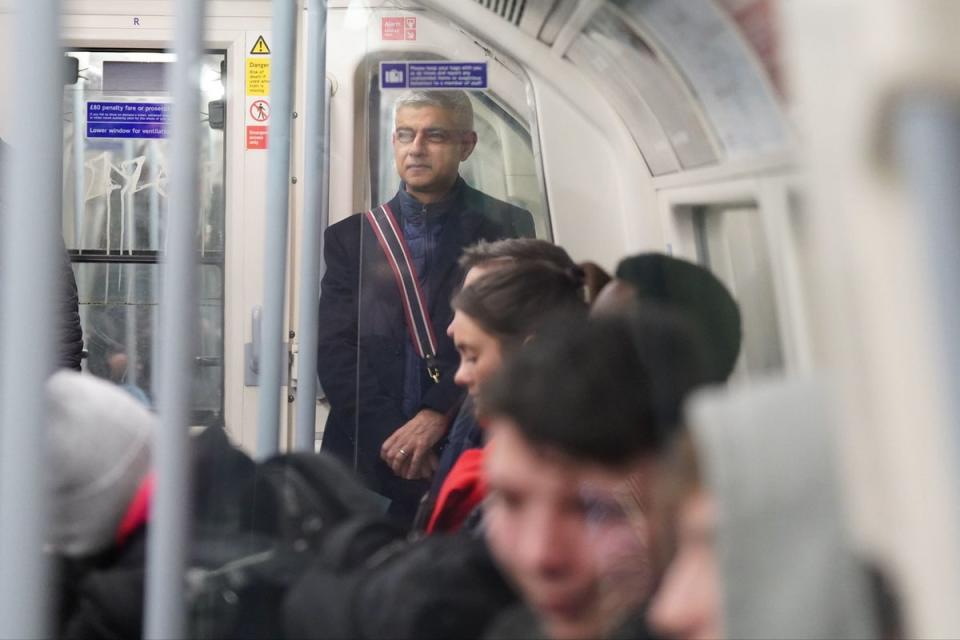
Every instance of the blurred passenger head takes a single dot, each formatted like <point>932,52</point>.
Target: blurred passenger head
<point>689,288</point>
<point>485,256</point>
<point>687,603</point>
<point>572,422</point>
<point>433,134</point>
<point>501,309</point>
<point>759,540</point>
<point>674,354</point>
<point>99,453</point>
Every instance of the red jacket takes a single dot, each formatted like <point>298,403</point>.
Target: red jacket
<point>461,493</point>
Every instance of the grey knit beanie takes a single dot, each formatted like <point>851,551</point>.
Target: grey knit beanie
<point>99,453</point>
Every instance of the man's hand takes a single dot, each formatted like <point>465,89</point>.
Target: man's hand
<point>409,450</point>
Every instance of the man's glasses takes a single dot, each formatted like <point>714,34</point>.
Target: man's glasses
<point>432,136</point>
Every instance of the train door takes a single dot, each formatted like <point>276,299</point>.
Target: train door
<point>371,372</point>
<point>115,199</point>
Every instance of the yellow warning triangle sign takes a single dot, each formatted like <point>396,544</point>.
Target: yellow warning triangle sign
<point>260,47</point>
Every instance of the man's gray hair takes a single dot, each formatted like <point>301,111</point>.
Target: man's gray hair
<point>454,101</point>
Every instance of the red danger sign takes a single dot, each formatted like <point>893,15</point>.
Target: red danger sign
<point>256,137</point>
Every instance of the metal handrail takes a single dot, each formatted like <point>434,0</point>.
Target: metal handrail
<point>315,218</point>
<point>168,535</point>
<point>30,237</point>
<point>284,32</point>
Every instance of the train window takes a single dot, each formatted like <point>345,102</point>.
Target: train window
<point>115,203</point>
<point>503,165</point>
<point>731,243</point>
<point>119,311</point>
<point>720,69</point>
<point>654,106</point>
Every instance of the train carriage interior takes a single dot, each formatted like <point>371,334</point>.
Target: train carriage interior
<point>206,158</point>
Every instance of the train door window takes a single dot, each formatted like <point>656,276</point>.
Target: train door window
<point>503,165</point>
<point>731,242</point>
<point>115,207</point>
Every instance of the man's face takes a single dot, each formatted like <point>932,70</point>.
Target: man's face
<point>480,355</point>
<point>428,149</point>
<point>687,604</point>
<point>541,528</point>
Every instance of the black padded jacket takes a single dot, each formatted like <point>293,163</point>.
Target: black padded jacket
<point>69,344</point>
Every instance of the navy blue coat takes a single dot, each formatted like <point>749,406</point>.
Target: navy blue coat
<point>368,330</point>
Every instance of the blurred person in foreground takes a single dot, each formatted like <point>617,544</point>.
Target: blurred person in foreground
<point>446,585</point>
<point>101,486</point>
<point>572,423</point>
<point>579,433</point>
<point>753,524</point>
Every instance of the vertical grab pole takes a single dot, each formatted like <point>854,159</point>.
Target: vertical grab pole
<point>927,143</point>
<point>168,537</point>
<point>315,216</point>
<point>277,220</point>
<point>31,222</point>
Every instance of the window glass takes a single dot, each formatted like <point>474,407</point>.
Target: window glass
<point>651,102</point>
<point>503,165</point>
<point>720,69</point>
<point>119,309</point>
<point>115,208</point>
<point>115,194</point>
<point>731,243</point>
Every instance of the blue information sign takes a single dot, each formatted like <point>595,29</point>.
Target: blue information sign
<point>433,75</point>
<point>127,119</point>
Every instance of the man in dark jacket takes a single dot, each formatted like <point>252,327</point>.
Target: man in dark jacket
<point>388,406</point>
<point>69,345</point>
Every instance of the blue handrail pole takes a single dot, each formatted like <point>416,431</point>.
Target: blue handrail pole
<point>284,32</point>
<point>32,220</point>
<point>168,535</point>
<point>315,217</point>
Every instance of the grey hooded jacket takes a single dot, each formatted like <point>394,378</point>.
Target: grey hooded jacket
<point>787,564</point>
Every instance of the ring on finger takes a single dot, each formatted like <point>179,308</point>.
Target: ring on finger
<point>402,452</point>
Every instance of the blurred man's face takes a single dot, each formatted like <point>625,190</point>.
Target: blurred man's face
<point>428,149</point>
<point>555,529</point>
<point>687,604</point>
<point>480,354</point>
